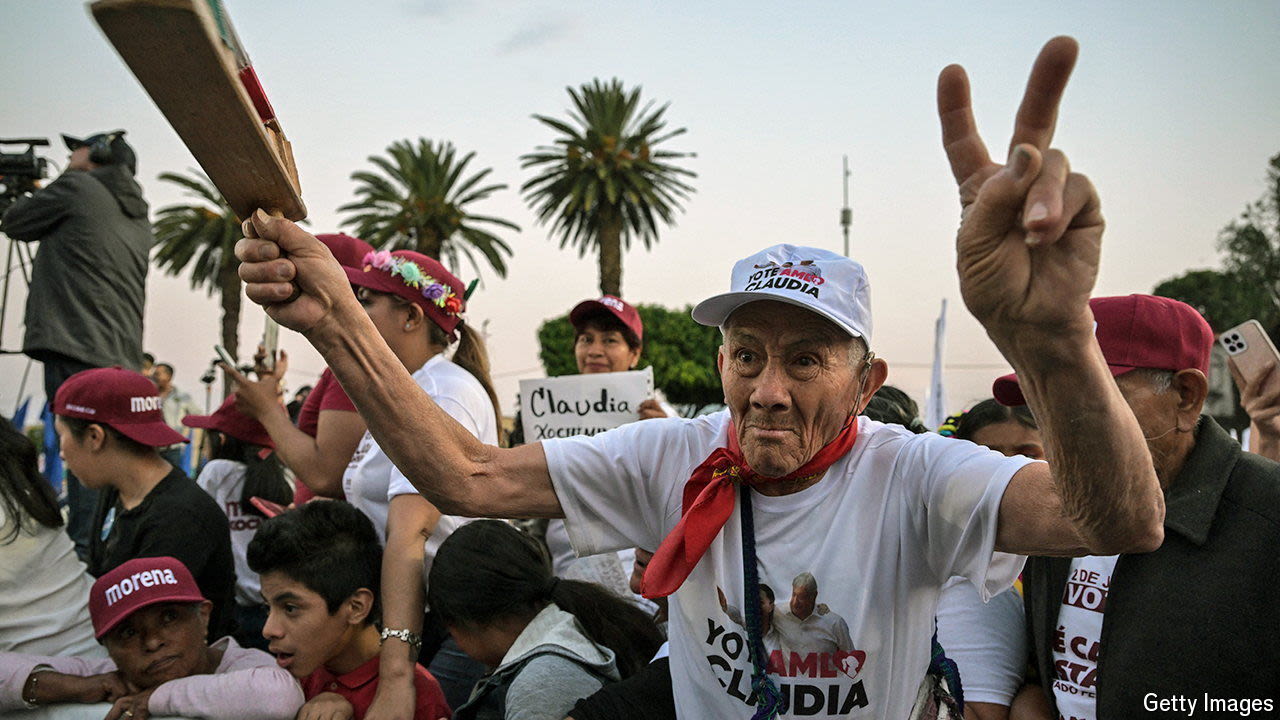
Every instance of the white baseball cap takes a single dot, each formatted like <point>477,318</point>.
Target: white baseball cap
<point>817,280</point>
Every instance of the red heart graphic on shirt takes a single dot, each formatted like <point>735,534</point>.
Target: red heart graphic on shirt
<point>850,663</point>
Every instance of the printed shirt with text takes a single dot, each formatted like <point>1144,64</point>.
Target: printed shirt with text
<point>880,534</point>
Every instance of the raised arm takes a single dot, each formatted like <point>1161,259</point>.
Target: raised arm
<point>317,462</point>
<point>459,474</point>
<point>1027,257</point>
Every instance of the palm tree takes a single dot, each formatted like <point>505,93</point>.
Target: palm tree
<point>603,180</point>
<point>203,235</point>
<point>419,202</point>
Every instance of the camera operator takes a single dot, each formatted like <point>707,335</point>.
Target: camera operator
<point>84,309</point>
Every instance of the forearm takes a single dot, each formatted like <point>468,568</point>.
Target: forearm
<point>1101,467</point>
<point>301,453</point>
<point>459,474</point>
<point>264,692</point>
<point>16,668</point>
<point>403,593</point>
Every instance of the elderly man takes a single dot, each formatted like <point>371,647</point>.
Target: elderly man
<point>1197,620</point>
<point>788,478</point>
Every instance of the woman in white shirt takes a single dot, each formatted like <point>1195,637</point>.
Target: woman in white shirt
<point>416,305</point>
<point>44,588</point>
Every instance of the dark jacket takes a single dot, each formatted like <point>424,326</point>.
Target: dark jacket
<point>1199,616</point>
<point>88,284</point>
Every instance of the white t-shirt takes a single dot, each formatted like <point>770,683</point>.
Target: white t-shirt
<point>881,532</point>
<point>44,593</point>
<point>611,570</point>
<point>987,641</point>
<point>371,480</point>
<point>1078,636</point>
<point>224,481</point>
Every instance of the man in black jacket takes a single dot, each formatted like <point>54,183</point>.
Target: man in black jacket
<point>1197,620</point>
<point>88,283</point>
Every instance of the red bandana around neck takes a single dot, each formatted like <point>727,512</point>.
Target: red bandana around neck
<point>709,500</point>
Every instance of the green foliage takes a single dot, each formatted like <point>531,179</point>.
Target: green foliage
<point>1248,286</point>
<point>1221,297</point>
<point>604,179</point>
<point>682,353</point>
<point>419,202</point>
<point>202,235</point>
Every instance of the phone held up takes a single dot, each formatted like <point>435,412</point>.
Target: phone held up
<point>1250,349</point>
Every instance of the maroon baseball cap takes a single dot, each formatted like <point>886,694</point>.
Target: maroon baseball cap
<point>136,584</point>
<point>349,251</point>
<point>230,421</point>
<point>123,399</point>
<point>614,306</point>
<point>1138,332</point>
<point>417,278</point>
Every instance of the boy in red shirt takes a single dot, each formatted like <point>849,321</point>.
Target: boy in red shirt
<point>320,566</point>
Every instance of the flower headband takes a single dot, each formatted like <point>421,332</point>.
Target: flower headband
<point>411,275</point>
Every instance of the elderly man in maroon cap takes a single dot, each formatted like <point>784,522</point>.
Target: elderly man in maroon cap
<point>1199,618</point>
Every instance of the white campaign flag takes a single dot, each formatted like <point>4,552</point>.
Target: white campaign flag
<point>935,408</point>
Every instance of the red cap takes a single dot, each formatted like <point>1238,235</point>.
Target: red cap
<point>230,421</point>
<point>123,399</point>
<point>1138,332</point>
<point>349,251</point>
<point>136,584</point>
<point>417,278</point>
<point>616,307</point>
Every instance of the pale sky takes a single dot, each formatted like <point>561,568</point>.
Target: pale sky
<point>1172,112</point>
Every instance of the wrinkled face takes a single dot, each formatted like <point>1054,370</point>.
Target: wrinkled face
<point>790,382</point>
<point>160,643</point>
<point>1011,438</point>
<point>802,602</point>
<point>600,351</point>
<point>300,631</point>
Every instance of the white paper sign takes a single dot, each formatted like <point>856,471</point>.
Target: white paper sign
<point>582,404</point>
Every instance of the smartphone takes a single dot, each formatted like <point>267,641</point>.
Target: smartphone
<point>1250,349</point>
<point>225,356</point>
<point>270,342</point>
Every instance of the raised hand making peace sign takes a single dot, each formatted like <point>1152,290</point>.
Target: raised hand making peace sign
<point>1030,233</point>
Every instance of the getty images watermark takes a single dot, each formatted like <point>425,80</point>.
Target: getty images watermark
<point>1189,706</point>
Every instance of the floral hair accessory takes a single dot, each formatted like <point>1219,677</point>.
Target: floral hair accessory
<point>411,274</point>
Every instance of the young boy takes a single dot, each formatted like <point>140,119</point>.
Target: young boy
<point>110,424</point>
<point>152,619</point>
<point>320,567</point>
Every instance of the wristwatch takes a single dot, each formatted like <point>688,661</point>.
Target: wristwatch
<point>404,635</point>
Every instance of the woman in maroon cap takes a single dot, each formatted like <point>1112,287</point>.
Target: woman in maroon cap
<point>608,337</point>
<point>241,468</point>
<point>318,448</point>
<point>417,306</point>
